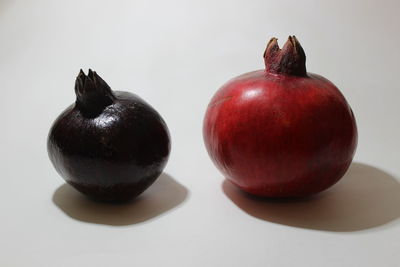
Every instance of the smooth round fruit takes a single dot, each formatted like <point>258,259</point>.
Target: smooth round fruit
<point>280,132</point>
<point>109,145</point>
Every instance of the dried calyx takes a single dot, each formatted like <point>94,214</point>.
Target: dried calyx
<point>92,93</point>
<point>290,60</point>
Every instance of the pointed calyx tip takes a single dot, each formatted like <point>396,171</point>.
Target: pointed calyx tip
<point>289,60</point>
<point>92,93</point>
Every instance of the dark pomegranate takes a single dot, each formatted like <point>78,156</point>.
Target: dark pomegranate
<point>109,145</point>
<point>280,132</point>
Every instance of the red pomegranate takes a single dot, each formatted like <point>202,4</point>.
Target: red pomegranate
<point>281,132</point>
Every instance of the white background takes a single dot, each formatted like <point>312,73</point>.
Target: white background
<point>175,55</point>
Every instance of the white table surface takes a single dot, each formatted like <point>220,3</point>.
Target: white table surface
<point>175,54</point>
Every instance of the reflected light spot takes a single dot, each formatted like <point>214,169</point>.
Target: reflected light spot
<point>251,93</point>
<point>104,121</point>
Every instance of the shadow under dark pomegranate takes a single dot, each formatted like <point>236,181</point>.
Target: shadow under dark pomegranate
<point>164,195</point>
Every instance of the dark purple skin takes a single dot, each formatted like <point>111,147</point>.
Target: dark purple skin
<point>109,145</point>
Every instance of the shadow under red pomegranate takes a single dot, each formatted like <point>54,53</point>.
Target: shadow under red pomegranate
<point>365,198</point>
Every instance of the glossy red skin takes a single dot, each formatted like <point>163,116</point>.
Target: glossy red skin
<point>275,135</point>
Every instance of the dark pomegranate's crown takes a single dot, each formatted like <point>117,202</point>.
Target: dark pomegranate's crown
<point>92,93</point>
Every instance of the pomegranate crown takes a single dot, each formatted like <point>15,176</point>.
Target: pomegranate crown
<point>288,60</point>
<point>92,93</point>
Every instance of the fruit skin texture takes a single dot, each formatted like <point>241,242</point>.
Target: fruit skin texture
<point>109,145</point>
<point>280,133</point>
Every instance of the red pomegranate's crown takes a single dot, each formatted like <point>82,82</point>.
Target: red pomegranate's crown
<point>290,60</point>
